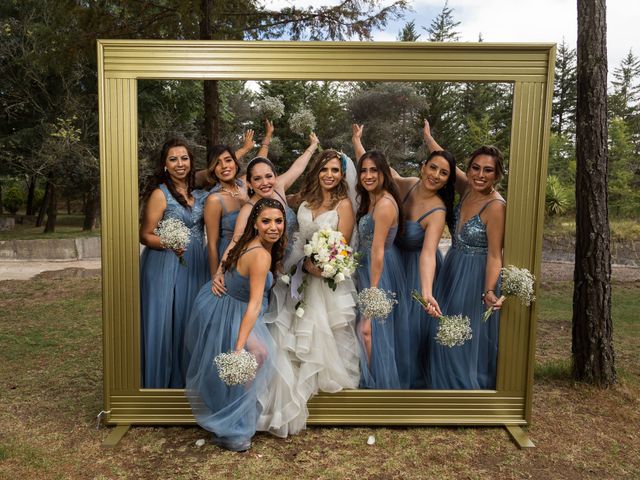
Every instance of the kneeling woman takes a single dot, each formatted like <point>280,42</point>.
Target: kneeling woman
<point>234,322</point>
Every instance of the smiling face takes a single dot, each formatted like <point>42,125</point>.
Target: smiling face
<point>370,176</point>
<point>270,225</point>
<point>178,163</point>
<point>435,173</point>
<point>263,180</point>
<point>225,168</point>
<point>482,173</point>
<point>330,174</point>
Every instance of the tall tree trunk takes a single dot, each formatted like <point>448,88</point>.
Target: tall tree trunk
<point>592,346</point>
<point>211,92</point>
<point>31,192</point>
<point>1,205</point>
<point>45,202</point>
<point>91,209</point>
<point>52,209</point>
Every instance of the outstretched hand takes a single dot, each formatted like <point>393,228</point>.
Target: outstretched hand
<point>268,128</point>
<point>356,131</point>
<point>426,130</point>
<point>248,140</point>
<point>313,140</point>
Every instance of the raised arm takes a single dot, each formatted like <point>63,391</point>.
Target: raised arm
<point>259,263</point>
<point>432,146</point>
<point>346,219</point>
<point>298,166</point>
<point>266,141</point>
<point>247,144</point>
<point>356,140</point>
<point>433,232</point>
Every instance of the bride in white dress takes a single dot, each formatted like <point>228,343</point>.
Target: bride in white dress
<point>320,345</point>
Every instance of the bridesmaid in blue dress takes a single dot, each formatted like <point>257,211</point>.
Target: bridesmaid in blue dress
<point>263,182</point>
<point>167,289</point>
<point>385,356</point>
<point>469,279</point>
<point>234,322</point>
<point>427,202</point>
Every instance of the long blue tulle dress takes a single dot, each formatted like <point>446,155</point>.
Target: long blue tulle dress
<point>390,354</point>
<point>167,291</point>
<point>410,244</point>
<point>459,291</point>
<point>230,412</point>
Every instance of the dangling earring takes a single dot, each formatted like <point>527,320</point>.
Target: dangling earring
<point>165,169</point>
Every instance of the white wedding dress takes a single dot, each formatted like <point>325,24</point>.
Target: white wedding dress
<point>315,352</point>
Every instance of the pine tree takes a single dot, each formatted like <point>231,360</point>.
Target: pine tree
<point>564,91</point>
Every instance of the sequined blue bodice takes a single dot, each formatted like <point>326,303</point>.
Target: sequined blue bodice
<point>238,285</point>
<point>191,217</point>
<point>472,236</point>
<point>365,234</point>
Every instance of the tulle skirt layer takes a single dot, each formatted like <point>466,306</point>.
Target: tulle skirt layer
<point>390,365</point>
<point>459,291</point>
<point>230,412</point>
<point>167,292</point>
<point>418,318</point>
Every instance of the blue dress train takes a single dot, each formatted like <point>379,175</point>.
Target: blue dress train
<point>167,291</point>
<point>390,354</point>
<point>410,244</point>
<point>459,291</point>
<point>230,412</point>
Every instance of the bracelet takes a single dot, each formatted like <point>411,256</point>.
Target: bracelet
<point>485,293</point>
<point>265,144</point>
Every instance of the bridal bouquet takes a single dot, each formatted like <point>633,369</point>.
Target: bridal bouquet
<point>376,303</point>
<point>236,368</point>
<point>174,234</point>
<point>516,282</point>
<point>453,330</point>
<point>330,252</point>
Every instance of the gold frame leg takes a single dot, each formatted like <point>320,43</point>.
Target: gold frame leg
<point>519,436</point>
<point>115,436</point>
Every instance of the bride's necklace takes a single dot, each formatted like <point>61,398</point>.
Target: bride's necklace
<point>234,193</point>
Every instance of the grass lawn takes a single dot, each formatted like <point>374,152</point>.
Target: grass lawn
<point>50,393</point>
<point>67,226</point>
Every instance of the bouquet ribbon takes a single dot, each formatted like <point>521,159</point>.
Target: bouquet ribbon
<point>296,281</point>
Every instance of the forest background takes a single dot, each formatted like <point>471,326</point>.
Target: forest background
<point>49,120</point>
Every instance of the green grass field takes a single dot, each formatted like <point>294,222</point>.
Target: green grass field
<point>67,226</point>
<point>50,384</point>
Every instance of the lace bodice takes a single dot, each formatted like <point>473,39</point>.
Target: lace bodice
<point>191,217</point>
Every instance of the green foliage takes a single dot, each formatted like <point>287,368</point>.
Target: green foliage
<point>562,161</point>
<point>564,91</point>
<point>624,199</point>
<point>557,197</point>
<point>14,198</point>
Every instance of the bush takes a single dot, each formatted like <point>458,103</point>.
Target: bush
<point>13,199</point>
<point>556,197</point>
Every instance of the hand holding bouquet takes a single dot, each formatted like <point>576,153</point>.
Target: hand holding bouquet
<point>174,234</point>
<point>516,282</point>
<point>329,251</point>
<point>453,330</point>
<point>236,368</point>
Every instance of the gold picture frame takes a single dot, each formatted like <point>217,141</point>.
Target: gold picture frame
<point>121,63</point>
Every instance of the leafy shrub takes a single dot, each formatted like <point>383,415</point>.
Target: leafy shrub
<point>13,199</point>
<point>557,199</point>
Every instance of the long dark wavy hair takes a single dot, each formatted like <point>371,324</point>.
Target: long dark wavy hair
<point>311,190</point>
<point>498,159</point>
<point>251,165</point>
<point>160,176</point>
<point>446,193</point>
<point>212,161</point>
<point>380,161</point>
<point>250,232</point>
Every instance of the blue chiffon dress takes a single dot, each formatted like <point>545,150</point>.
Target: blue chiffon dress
<point>410,244</point>
<point>390,355</point>
<point>167,291</point>
<point>229,412</point>
<point>459,291</point>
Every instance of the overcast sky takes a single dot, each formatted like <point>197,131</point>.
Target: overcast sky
<point>544,21</point>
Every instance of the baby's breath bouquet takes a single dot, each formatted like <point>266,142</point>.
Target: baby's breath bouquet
<point>376,303</point>
<point>453,330</point>
<point>270,107</point>
<point>330,252</point>
<point>302,122</point>
<point>174,234</point>
<point>236,368</point>
<point>516,282</point>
